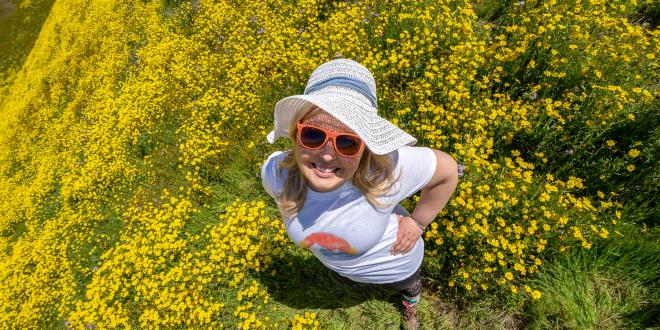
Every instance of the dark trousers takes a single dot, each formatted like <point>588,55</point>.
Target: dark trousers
<point>410,288</point>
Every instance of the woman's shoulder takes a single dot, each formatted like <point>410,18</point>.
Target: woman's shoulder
<point>276,157</point>
<point>272,175</point>
<point>411,154</point>
<point>272,162</point>
<point>413,168</point>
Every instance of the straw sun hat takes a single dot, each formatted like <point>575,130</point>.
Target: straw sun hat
<point>346,90</point>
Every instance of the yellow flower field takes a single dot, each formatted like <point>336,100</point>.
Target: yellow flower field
<point>131,135</point>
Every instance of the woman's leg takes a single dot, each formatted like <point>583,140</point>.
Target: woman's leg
<point>409,288</point>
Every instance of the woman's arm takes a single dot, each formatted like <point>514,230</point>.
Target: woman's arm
<point>437,192</point>
<point>433,199</point>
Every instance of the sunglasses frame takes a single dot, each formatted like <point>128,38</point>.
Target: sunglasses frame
<point>328,135</point>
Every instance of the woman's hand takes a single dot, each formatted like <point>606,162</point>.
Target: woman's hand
<point>407,235</point>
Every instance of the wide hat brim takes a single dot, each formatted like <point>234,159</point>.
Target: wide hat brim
<point>351,108</point>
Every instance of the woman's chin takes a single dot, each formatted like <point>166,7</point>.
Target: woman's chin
<point>325,186</point>
<point>324,183</point>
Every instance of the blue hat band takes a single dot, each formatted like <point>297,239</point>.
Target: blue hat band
<point>353,84</point>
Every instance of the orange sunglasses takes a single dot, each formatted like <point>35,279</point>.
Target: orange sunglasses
<point>314,138</point>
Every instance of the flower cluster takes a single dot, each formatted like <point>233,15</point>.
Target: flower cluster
<point>171,276</point>
<point>307,321</point>
<point>122,131</point>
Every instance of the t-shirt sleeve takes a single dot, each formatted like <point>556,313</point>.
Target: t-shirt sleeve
<point>272,177</point>
<point>414,167</point>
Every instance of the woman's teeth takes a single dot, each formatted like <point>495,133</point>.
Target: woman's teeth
<point>325,169</point>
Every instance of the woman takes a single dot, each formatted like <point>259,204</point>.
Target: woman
<point>339,189</point>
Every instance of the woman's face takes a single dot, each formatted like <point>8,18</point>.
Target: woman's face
<point>325,169</point>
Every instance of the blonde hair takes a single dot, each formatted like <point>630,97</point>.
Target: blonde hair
<point>374,176</point>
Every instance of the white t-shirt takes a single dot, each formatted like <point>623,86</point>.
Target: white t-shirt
<point>349,235</point>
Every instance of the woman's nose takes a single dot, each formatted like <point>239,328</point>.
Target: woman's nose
<point>328,151</point>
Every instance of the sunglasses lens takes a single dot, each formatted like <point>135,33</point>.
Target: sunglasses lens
<point>312,137</point>
<point>348,145</point>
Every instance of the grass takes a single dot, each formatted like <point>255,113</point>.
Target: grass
<point>614,285</point>
<point>20,30</point>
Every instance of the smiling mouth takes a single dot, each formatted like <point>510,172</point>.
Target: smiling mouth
<point>325,169</point>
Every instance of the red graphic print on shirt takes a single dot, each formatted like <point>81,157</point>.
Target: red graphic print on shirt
<point>329,242</point>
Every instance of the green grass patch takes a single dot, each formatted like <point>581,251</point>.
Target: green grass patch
<point>612,286</point>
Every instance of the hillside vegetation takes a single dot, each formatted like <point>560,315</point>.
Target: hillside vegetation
<point>131,135</point>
